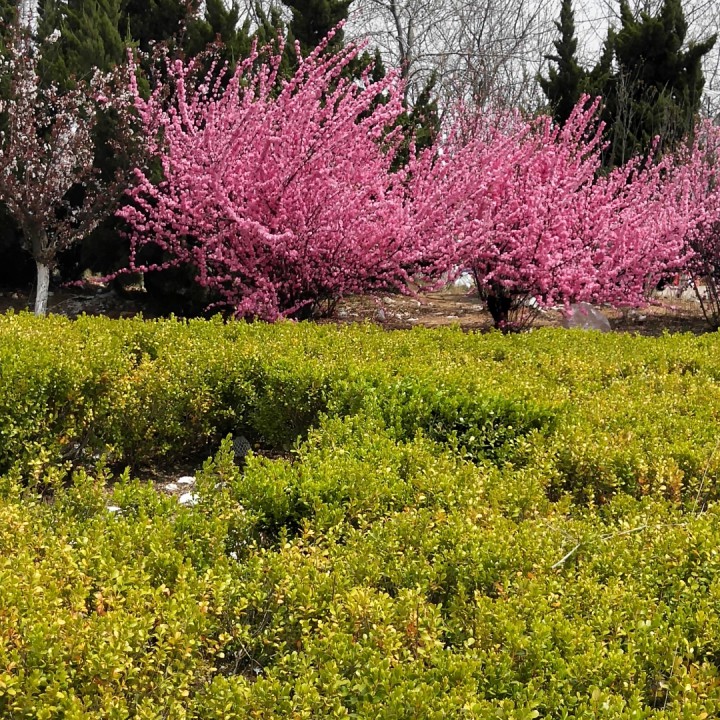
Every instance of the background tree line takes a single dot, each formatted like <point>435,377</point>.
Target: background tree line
<point>649,73</point>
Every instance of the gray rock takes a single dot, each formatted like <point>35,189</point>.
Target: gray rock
<point>241,447</point>
<point>585,316</point>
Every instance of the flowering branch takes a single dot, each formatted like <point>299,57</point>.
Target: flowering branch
<point>47,150</point>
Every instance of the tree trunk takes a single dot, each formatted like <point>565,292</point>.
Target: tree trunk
<point>41,291</point>
<point>41,252</point>
<point>499,305</point>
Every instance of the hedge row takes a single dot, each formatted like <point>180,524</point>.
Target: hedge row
<point>599,413</point>
<point>466,527</point>
<point>369,578</point>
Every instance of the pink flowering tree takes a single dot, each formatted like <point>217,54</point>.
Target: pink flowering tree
<point>278,194</point>
<point>694,188</point>
<point>47,179</point>
<point>535,222</point>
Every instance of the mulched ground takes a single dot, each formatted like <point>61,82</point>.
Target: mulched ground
<point>392,311</point>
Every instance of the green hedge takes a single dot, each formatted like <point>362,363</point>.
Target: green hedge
<point>601,413</point>
<point>336,586</point>
<point>464,527</point>
<point>146,390</point>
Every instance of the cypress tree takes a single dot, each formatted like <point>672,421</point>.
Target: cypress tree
<point>600,78</point>
<point>564,83</point>
<point>312,20</point>
<point>656,85</point>
<point>8,14</point>
<point>149,22</point>
<point>221,24</point>
<point>92,34</point>
<point>420,123</point>
<point>89,37</point>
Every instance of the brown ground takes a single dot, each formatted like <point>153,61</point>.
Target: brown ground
<point>467,311</point>
<point>395,311</point>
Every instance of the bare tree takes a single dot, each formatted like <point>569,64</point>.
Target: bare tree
<point>409,34</point>
<point>499,47</point>
<point>480,52</point>
<point>493,50</point>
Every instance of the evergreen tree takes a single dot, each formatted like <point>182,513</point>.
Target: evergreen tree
<point>600,78</point>
<point>8,13</point>
<point>221,25</point>
<point>655,87</point>
<point>149,22</point>
<point>420,123</point>
<point>312,20</point>
<point>91,33</point>
<point>566,78</point>
<point>88,37</point>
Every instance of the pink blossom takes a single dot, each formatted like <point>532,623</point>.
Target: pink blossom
<point>279,194</point>
<point>532,216</point>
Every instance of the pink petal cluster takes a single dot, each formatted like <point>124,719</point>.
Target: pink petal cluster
<point>283,195</point>
<point>48,182</point>
<point>45,149</point>
<point>694,189</point>
<point>531,215</point>
<point>280,194</point>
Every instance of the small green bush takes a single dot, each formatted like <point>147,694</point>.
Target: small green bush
<point>447,526</point>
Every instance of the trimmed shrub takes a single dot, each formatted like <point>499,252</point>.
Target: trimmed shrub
<point>459,526</point>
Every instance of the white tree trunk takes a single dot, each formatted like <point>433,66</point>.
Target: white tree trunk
<point>28,12</point>
<point>43,286</point>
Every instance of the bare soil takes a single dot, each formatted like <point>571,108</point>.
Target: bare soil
<point>468,312</point>
<point>454,307</point>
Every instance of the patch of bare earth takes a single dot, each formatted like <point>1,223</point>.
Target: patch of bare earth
<point>468,312</point>
<point>440,309</point>
<point>100,301</point>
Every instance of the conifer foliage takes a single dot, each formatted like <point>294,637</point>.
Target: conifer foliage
<point>86,37</point>
<point>657,88</point>
<point>313,20</point>
<point>649,77</point>
<point>564,83</point>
